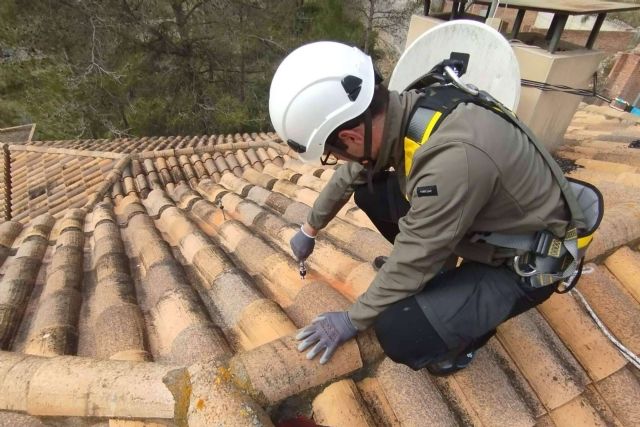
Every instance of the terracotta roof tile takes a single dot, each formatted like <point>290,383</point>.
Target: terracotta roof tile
<point>550,368</point>
<point>341,404</point>
<point>112,326</point>
<point>53,330</point>
<point>620,225</point>
<point>614,305</point>
<point>379,408</point>
<point>170,305</point>
<point>249,320</point>
<point>17,283</point>
<point>621,391</point>
<point>576,329</point>
<point>9,231</point>
<point>413,397</point>
<point>278,370</point>
<point>493,390</point>
<point>625,265</point>
<point>586,409</point>
<point>185,259</point>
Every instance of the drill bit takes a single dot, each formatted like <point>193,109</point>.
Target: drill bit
<point>303,270</point>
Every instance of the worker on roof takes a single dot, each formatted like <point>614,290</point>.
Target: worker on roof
<point>436,172</point>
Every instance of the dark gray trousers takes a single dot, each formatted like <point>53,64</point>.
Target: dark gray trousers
<point>458,310</point>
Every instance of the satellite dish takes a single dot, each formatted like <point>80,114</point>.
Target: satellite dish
<point>492,66</point>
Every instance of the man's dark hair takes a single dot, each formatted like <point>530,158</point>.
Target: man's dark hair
<point>377,105</point>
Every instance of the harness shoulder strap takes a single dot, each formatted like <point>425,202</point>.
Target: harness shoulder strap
<point>439,101</point>
<point>431,110</point>
<point>436,103</point>
<point>577,215</point>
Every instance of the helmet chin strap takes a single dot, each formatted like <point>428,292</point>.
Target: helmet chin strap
<point>367,160</point>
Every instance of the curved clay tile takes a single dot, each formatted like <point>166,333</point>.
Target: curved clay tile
<point>275,156</point>
<point>175,169</point>
<point>58,386</point>
<point>152,175</point>
<point>53,330</point>
<point>263,156</point>
<point>586,409</point>
<point>625,265</point>
<point>180,142</point>
<point>187,168</point>
<point>378,405</point>
<point>198,166</point>
<point>615,306</point>
<point>211,167</point>
<point>620,391</point>
<point>578,331</point>
<point>341,404</point>
<point>9,230</point>
<point>162,143</point>
<point>116,191</point>
<point>289,370</point>
<point>242,160</point>
<point>552,371</point>
<point>414,397</point>
<point>163,170</point>
<point>128,184</point>
<point>17,283</point>
<point>619,226</point>
<point>181,329</point>
<point>221,164</point>
<point>258,178</point>
<point>115,325</point>
<point>233,163</point>
<point>281,173</point>
<point>252,156</point>
<point>493,390</point>
<point>249,319</point>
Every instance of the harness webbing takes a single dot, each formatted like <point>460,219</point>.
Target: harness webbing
<point>419,130</point>
<point>558,258</point>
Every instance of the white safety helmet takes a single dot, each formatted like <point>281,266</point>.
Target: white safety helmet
<point>317,88</point>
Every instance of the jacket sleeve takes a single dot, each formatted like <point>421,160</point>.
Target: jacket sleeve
<point>335,194</point>
<point>449,184</point>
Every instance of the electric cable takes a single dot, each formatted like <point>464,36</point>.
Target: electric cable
<point>615,103</point>
<point>568,89</point>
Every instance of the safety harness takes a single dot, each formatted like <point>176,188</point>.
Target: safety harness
<point>542,258</point>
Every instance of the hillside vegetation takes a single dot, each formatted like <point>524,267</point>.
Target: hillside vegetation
<point>109,68</point>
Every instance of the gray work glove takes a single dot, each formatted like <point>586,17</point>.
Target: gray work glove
<point>302,245</point>
<point>328,331</point>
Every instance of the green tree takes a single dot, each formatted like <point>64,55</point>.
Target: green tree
<point>105,68</point>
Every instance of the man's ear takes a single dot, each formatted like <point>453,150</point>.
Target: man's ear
<point>353,136</point>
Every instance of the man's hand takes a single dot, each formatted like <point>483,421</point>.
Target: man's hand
<point>303,242</point>
<point>327,331</point>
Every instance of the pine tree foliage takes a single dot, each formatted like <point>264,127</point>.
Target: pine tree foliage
<point>109,68</point>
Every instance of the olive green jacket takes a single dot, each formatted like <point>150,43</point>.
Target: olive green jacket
<point>487,177</point>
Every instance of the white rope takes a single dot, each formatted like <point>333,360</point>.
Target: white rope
<point>626,353</point>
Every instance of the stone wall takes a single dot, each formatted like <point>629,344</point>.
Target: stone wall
<point>624,78</point>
